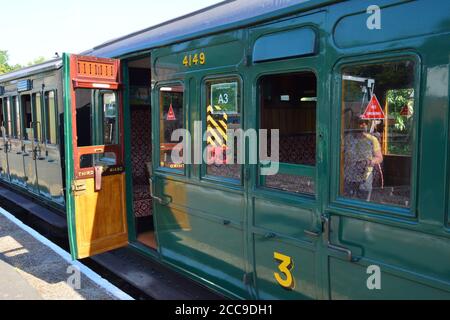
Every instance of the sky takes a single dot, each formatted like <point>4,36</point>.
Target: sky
<point>30,29</point>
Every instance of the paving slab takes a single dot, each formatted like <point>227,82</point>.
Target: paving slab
<point>32,270</point>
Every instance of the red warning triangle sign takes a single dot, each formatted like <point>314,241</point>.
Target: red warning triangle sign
<point>373,110</point>
<point>171,115</point>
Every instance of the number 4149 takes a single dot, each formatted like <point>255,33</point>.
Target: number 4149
<point>194,59</point>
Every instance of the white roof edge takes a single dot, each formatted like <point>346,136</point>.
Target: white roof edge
<point>28,71</point>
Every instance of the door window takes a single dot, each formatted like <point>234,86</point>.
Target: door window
<point>38,120</point>
<point>377,132</point>
<point>97,125</point>
<point>171,113</point>
<point>288,103</point>
<point>51,120</point>
<point>223,113</point>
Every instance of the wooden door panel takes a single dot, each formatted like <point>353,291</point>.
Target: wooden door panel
<point>100,221</point>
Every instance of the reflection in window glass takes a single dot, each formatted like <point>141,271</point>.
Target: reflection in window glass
<point>17,119</point>
<point>93,160</point>
<point>2,116</point>
<point>171,118</point>
<point>110,119</point>
<point>223,98</point>
<point>38,123</point>
<point>377,132</point>
<point>288,103</point>
<point>9,118</point>
<point>51,120</point>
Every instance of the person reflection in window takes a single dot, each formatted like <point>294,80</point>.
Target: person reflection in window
<point>362,155</point>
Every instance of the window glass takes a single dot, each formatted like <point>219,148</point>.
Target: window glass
<point>223,113</point>
<point>171,118</point>
<point>110,119</point>
<point>27,117</point>
<point>51,120</point>
<point>377,147</point>
<point>2,116</point>
<point>288,103</point>
<point>17,118</point>
<point>38,123</point>
<point>8,110</point>
<point>84,117</point>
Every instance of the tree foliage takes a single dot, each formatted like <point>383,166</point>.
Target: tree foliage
<point>6,67</point>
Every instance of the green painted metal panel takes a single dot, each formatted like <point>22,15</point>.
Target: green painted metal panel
<point>352,284</point>
<point>401,21</point>
<point>285,44</point>
<point>304,269</point>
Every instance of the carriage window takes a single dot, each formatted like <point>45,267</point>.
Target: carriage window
<point>27,117</point>
<point>288,103</point>
<point>97,125</point>
<point>223,98</point>
<point>51,120</point>
<point>171,115</point>
<point>110,119</point>
<point>8,117</point>
<point>378,112</point>
<point>84,117</point>
<point>38,123</point>
<point>17,119</point>
<point>2,116</point>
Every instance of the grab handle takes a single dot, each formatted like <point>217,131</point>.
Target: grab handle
<point>331,246</point>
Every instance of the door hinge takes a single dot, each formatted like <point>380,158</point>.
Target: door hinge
<point>79,187</point>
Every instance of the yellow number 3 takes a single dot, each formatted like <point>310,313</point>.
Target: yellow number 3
<point>286,266</point>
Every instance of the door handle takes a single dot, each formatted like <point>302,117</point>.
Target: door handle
<point>312,234</point>
<point>331,246</point>
<point>270,235</point>
<point>161,201</point>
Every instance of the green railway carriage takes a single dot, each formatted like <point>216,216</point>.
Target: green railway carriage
<point>359,207</point>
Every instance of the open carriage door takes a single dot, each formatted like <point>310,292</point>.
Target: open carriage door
<point>95,175</point>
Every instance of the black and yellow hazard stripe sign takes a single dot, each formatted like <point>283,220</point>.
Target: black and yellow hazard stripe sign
<point>217,127</point>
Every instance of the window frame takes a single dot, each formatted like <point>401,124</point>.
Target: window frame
<point>157,155</point>
<point>305,171</point>
<point>46,117</point>
<point>9,129</point>
<point>24,135</point>
<point>16,105</point>
<point>2,110</point>
<point>98,116</point>
<point>203,113</point>
<point>34,96</point>
<point>364,207</point>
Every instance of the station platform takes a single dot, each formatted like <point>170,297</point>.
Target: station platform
<point>33,268</point>
<point>141,277</point>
